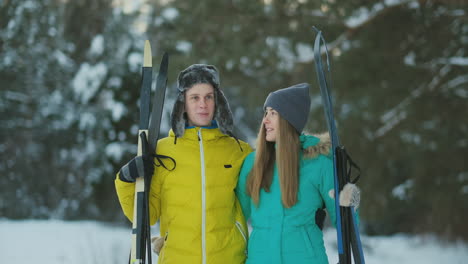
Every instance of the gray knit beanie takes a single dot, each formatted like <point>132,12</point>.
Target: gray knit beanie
<point>196,74</point>
<point>292,103</point>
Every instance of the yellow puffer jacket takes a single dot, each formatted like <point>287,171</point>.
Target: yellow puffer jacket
<point>199,213</point>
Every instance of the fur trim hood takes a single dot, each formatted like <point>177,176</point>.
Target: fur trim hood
<point>196,74</point>
<point>315,145</point>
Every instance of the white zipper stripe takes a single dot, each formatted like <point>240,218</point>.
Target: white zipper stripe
<point>239,226</point>
<point>203,182</point>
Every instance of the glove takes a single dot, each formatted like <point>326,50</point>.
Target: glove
<point>137,167</point>
<point>320,215</point>
<point>349,196</point>
<point>158,243</point>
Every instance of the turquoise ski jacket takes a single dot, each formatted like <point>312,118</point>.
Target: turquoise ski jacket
<point>290,235</point>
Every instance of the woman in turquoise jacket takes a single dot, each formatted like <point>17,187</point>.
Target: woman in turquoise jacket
<point>285,181</point>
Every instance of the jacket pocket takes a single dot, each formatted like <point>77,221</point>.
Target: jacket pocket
<point>308,243</point>
<point>162,249</point>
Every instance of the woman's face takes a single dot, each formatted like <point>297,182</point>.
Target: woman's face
<point>200,104</point>
<point>270,124</point>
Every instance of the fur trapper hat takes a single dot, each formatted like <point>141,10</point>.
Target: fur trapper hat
<point>195,74</point>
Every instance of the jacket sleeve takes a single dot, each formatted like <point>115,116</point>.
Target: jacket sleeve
<point>241,189</point>
<point>125,193</point>
<point>328,183</point>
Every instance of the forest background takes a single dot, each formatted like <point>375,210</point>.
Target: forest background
<point>70,77</point>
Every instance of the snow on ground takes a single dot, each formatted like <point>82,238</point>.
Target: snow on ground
<point>89,242</point>
<point>60,242</point>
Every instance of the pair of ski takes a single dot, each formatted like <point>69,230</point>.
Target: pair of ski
<point>148,134</point>
<point>346,222</point>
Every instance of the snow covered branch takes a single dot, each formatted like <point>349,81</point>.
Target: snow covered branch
<point>364,16</point>
<point>395,115</point>
<point>459,61</point>
<point>359,19</point>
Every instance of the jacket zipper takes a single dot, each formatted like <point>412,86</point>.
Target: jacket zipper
<point>239,226</point>
<point>203,183</point>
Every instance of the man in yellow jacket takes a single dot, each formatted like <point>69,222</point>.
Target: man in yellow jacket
<point>200,217</point>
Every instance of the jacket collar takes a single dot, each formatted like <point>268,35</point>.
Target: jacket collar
<point>213,124</point>
<point>208,133</point>
<point>314,145</point>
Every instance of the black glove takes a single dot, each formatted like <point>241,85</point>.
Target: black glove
<point>320,215</point>
<point>137,167</point>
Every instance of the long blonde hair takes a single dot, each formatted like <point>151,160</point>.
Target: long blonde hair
<point>286,156</point>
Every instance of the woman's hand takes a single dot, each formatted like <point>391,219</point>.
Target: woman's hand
<point>349,196</point>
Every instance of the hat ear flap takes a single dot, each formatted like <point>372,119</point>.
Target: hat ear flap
<point>177,116</point>
<point>223,115</point>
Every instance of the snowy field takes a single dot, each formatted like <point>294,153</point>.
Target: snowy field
<point>88,242</point>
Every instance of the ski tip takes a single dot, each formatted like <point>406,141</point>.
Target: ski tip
<point>164,63</point>
<point>165,57</point>
<point>147,57</point>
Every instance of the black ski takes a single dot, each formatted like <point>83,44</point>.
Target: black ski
<point>147,140</point>
<point>158,102</point>
<point>153,135</point>
<point>346,224</point>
